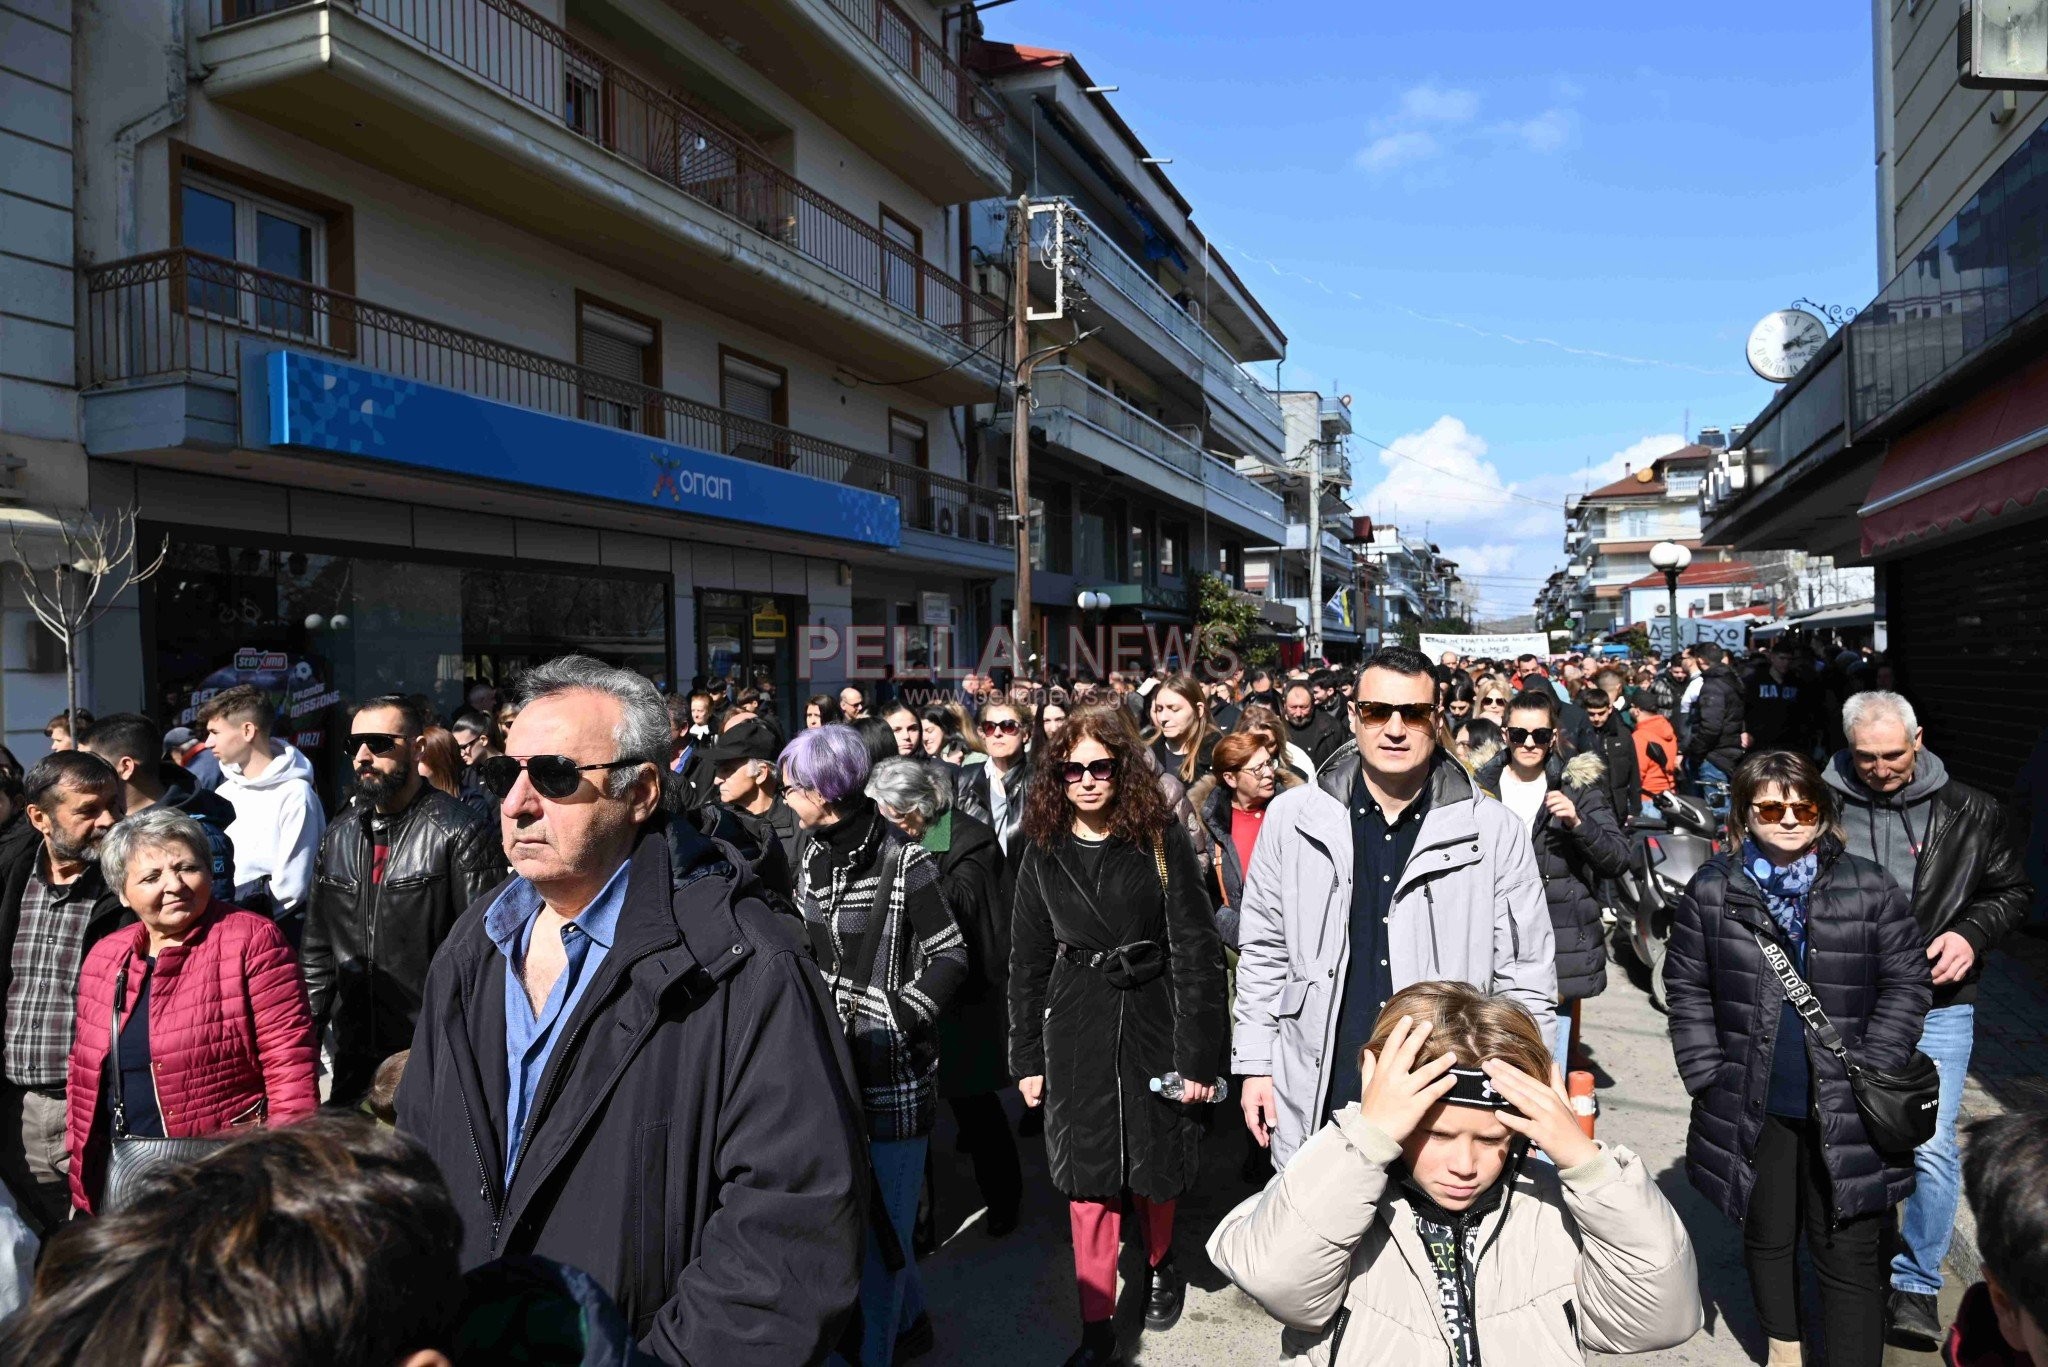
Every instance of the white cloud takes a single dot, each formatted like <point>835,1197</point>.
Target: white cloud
<point>1396,149</point>
<point>1505,534</point>
<point>1547,132</point>
<point>1434,104</point>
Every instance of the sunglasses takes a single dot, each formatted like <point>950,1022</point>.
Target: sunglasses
<point>1380,713</point>
<point>1771,813</point>
<point>376,742</point>
<point>1522,735</point>
<point>1008,726</point>
<point>555,776</point>
<point>1101,770</point>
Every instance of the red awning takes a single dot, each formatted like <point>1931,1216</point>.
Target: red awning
<point>1980,459</point>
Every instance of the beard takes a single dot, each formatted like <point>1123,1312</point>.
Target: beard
<point>74,852</point>
<point>375,785</point>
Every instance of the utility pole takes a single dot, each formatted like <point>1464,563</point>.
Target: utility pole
<point>1314,452</point>
<point>1020,431</point>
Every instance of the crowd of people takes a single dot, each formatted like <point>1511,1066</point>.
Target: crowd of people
<point>635,1012</point>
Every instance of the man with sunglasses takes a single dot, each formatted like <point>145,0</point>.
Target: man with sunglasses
<point>394,872</point>
<point>628,1061</point>
<point>1392,868</point>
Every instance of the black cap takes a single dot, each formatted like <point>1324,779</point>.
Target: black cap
<point>743,740</point>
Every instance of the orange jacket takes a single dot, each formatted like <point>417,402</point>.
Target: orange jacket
<point>1657,778</point>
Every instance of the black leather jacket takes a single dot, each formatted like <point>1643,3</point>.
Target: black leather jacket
<point>368,945</point>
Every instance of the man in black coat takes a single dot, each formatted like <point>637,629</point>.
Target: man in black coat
<point>1309,726</point>
<point>1780,708</point>
<point>1948,846</point>
<point>1713,744</point>
<point>628,1062</point>
<point>1615,743</point>
<point>395,870</point>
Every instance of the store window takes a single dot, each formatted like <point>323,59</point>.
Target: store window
<point>321,630</point>
<point>748,640</point>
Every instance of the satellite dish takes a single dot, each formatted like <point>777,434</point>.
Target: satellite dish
<point>1782,343</point>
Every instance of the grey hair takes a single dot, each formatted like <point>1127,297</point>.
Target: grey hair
<point>644,731</point>
<point>151,829</point>
<point>1876,705</point>
<point>912,785</point>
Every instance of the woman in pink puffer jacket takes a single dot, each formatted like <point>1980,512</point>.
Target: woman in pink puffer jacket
<point>215,1031</point>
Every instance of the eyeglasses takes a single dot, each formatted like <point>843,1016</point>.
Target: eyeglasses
<point>1260,770</point>
<point>1100,770</point>
<point>1771,813</point>
<point>1522,735</point>
<point>1373,713</point>
<point>376,742</point>
<point>1008,726</point>
<point>555,776</point>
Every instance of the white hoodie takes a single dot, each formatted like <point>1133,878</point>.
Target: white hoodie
<point>277,826</point>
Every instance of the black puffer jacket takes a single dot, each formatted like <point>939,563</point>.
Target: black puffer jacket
<point>1865,962</point>
<point>367,945</point>
<point>1572,861</point>
<point>1098,1047</point>
<point>1716,728</point>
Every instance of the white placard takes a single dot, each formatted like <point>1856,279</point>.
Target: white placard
<point>1728,634</point>
<point>1487,647</point>
<point>935,609</point>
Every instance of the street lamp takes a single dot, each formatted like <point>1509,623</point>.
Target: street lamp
<point>1089,600</point>
<point>1671,558</point>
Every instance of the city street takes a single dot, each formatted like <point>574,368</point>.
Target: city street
<point>1013,1302</point>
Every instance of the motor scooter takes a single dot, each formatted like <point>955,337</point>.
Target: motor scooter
<point>1669,848</point>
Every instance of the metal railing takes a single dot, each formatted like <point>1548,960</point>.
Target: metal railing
<point>538,63</point>
<point>1108,263</point>
<point>926,61</point>
<point>187,313</point>
<point>1059,387</point>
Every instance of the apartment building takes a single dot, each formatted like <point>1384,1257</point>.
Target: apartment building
<point>1414,585</point>
<point>440,336</point>
<point>1608,532</point>
<point>1139,431</point>
<point>1317,429</point>
<point>1916,440</point>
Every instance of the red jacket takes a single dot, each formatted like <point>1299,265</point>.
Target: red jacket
<point>1657,778</point>
<point>230,1035</point>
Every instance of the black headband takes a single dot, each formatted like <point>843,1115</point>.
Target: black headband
<point>1471,1087</point>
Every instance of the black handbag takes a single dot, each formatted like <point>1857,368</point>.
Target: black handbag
<point>132,1160</point>
<point>1900,1110</point>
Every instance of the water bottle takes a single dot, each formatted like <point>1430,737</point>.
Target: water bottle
<point>1171,1087</point>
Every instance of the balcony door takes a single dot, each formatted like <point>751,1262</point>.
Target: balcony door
<point>755,395</point>
<point>620,355</point>
<point>902,250</point>
<point>285,244</point>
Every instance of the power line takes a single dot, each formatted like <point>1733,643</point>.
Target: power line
<point>1454,474</point>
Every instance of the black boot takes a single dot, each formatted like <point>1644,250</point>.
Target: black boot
<point>1913,1321</point>
<point>1098,1345</point>
<point>1168,1294</point>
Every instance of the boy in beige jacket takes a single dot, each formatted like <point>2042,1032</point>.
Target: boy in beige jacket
<point>1413,1232</point>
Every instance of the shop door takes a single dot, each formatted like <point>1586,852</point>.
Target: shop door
<point>748,640</point>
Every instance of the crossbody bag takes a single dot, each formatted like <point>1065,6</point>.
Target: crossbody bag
<point>133,1159</point>
<point>1899,1109</point>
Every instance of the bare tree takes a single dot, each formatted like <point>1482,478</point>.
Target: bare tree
<point>96,565</point>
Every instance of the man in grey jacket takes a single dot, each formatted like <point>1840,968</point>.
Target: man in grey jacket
<point>1392,868</point>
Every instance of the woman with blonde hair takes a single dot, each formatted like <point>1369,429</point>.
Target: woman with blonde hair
<point>1490,700</point>
<point>1416,1212</point>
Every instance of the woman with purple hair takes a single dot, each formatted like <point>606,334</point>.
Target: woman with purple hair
<point>893,957</point>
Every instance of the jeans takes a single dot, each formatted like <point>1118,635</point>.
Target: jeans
<point>1929,1217</point>
<point>1713,783</point>
<point>1791,1194</point>
<point>1561,1043</point>
<point>889,1301</point>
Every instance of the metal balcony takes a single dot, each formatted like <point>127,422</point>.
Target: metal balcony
<point>186,315</point>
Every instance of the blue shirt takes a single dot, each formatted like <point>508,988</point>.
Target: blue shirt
<point>529,1039</point>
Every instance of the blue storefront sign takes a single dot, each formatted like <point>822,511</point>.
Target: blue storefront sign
<point>319,404</point>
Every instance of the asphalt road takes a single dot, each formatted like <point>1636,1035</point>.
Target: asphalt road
<point>1011,1301</point>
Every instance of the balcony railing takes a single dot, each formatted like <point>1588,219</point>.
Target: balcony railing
<point>921,56</point>
<point>186,313</point>
<point>1107,262</point>
<point>538,63</point>
<point>1062,388</point>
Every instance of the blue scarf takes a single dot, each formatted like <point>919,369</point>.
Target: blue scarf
<point>1785,891</point>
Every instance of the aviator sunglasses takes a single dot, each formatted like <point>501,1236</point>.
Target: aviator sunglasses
<point>1101,770</point>
<point>555,776</point>
<point>1771,813</point>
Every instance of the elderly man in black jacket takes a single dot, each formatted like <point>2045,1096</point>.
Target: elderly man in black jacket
<point>1948,846</point>
<point>395,870</point>
<point>629,1064</point>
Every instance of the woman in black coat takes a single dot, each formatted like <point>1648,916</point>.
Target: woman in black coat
<point>1776,1141</point>
<point>1116,978</point>
<point>974,1030</point>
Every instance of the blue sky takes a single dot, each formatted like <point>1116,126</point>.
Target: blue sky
<point>1409,188</point>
